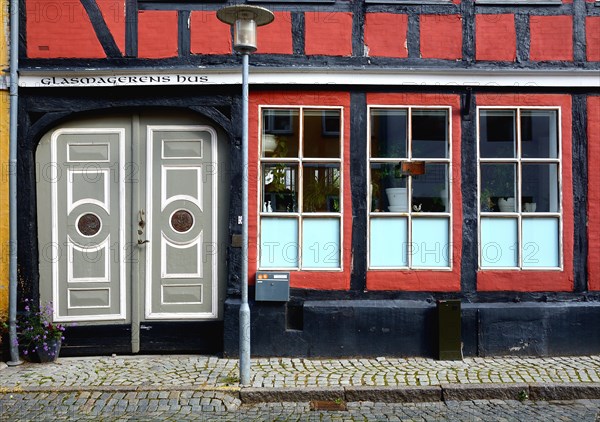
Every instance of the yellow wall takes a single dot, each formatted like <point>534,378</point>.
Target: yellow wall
<point>4,146</point>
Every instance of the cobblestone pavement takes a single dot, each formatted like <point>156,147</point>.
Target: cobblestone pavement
<point>205,388</point>
<point>191,406</point>
<point>206,371</point>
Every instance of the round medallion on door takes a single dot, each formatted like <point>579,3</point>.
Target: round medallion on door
<point>89,224</point>
<point>182,221</point>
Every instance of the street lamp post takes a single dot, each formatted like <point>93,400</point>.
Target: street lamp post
<point>244,20</point>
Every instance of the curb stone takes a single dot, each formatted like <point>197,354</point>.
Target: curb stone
<point>572,391</point>
<point>394,394</point>
<point>468,392</point>
<point>253,395</point>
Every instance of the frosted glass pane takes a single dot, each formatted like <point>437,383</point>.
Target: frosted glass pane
<point>279,243</point>
<point>498,242</point>
<point>321,243</point>
<point>540,242</point>
<point>430,242</point>
<point>389,239</point>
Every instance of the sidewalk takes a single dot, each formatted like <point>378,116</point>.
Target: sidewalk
<point>215,380</point>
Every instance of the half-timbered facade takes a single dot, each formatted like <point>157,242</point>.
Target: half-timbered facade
<point>401,153</point>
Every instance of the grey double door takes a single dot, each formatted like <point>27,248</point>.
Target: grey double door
<point>127,220</point>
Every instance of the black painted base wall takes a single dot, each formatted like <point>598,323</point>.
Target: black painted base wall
<point>197,337</point>
<point>370,328</point>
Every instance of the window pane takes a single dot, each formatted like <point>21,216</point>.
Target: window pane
<point>280,193</point>
<point>321,188</point>
<point>539,134</point>
<point>322,133</point>
<point>389,132</point>
<point>388,239</point>
<point>540,188</point>
<point>321,243</point>
<point>497,134</point>
<point>540,242</point>
<point>498,187</point>
<point>388,188</point>
<point>278,242</point>
<point>429,190</point>
<point>429,133</point>
<point>498,242</point>
<point>280,133</point>
<point>430,244</point>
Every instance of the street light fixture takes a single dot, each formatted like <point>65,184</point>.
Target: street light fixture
<point>245,19</point>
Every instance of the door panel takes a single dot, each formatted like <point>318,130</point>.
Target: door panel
<point>180,269</point>
<point>88,224</point>
<point>127,220</point>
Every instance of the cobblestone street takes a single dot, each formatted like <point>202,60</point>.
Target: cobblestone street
<point>193,406</point>
<point>206,388</point>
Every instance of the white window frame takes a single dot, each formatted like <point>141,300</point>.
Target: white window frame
<point>299,161</point>
<point>409,213</point>
<point>518,162</point>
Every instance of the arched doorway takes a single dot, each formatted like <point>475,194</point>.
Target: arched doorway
<point>130,219</point>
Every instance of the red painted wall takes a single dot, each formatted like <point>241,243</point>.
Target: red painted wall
<point>322,280</point>
<point>428,280</point>
<point>496,37</point>
<point>532,280</point>
<point>208,35</point>
<point>60,30</point>
<point>113,12</point>
<point>593,110</point>
<point>592,38</point>
<point>441,37</point>
<point>385,34</point>
<point>328,33</point>
<point>551,38</point>
<point>157,34</point>
<point>276,37</point>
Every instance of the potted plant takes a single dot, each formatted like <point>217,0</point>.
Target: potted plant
<point>319,192</point>
<point>39,338</point>
<point>396,191</point>
<point>3,330</point>
<point>499,184</point>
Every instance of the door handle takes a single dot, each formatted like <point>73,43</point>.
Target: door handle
<point>141,226</point>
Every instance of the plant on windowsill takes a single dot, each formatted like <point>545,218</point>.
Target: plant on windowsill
<point>276,177</point>
<point>322,195</point>
<point>38,337</point>
<point>396,188</point>
<point>500,191</point>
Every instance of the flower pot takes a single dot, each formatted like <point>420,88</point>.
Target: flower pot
<point>506,204</point>
<point>398,199</point>
<point>269,143</point>
<point>530,207</point>
<point>48,351</point>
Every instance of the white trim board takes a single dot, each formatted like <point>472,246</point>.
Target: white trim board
<point>569,78</point>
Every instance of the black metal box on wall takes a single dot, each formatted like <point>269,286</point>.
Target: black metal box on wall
<point>272,286</point>
<point>449,329</point>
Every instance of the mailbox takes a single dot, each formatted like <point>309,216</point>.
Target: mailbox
<point>272,286</point>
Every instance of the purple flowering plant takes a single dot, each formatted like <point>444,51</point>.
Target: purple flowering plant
<point>36,329</point>
<point>3,326</point>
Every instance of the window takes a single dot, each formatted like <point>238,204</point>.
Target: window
<point>301,176</point>
<point>519,171</point>
<point>409,188</point>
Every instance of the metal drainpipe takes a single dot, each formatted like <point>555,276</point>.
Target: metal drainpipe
<point>14,103</point>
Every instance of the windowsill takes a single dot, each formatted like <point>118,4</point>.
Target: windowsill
<point>291,1</point>
<point>525,281</point>
<point>518,2</point>
<point>421,2</point>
